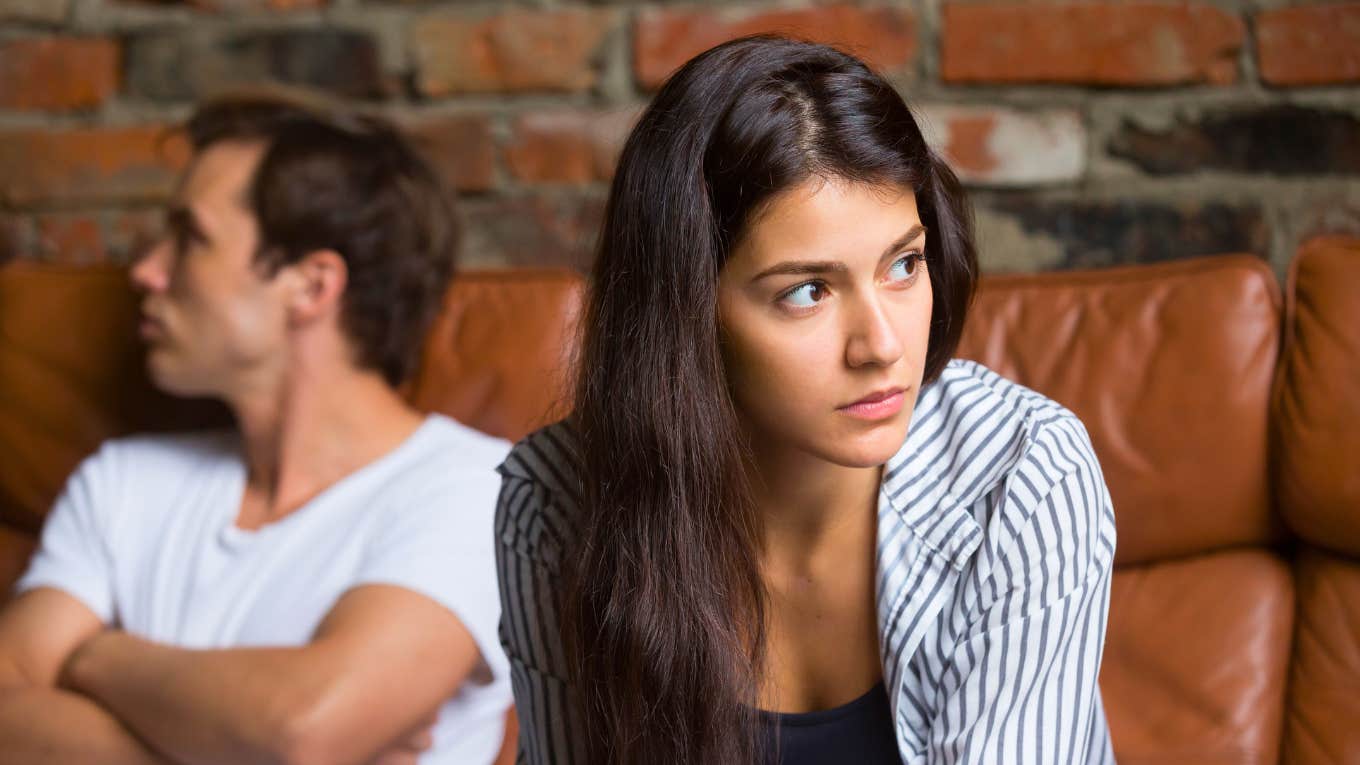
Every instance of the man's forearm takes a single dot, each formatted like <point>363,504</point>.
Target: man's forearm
<point>48,726</point>
<point>200,707</point>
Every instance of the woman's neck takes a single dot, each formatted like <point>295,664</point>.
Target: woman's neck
<point>813,510</point>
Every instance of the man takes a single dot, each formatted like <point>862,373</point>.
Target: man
<point>317,585</point>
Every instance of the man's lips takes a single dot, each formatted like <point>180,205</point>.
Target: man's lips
<point>149,327</point>
<point>877,405</point>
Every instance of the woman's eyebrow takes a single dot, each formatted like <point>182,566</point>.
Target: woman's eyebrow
<point>903,241</point>
<point>814,267</point>
<point>802,267</point>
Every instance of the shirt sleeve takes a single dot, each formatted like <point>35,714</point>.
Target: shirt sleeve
<point>438,543</point>
<point>526,558</point>
<point>1021,685</point>
<point>74,554</point>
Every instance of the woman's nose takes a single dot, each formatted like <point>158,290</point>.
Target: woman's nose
<point>872,339</point>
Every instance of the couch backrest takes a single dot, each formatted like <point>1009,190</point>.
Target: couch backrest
<point>1170,366</point>
<point>1317,480</point>
<point>499,354</point>
<point>1317,406</point>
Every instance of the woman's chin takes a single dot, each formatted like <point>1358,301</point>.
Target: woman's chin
<point>864,452</point>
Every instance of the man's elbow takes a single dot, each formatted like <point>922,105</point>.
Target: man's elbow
<point>13,678</point>
<point>310,737</point>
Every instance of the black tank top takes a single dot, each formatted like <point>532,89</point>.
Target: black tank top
<point>860,732</point>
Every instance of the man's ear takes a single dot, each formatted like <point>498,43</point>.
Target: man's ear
<point>320,278</point>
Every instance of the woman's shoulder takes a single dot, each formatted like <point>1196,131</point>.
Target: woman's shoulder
<point>1044,460</point>
<point>540,493</point>
<point>992,469</point>
<point>974,430</point>
<point>547,456</point>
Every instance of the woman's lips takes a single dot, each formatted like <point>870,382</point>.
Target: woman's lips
<point>876,406</point>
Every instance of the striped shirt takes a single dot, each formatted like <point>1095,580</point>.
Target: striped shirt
<point>996,542</point>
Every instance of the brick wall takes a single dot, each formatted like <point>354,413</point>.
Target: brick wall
<point>1091,132</point>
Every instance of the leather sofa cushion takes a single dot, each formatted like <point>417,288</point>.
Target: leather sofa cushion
<point>1170,368</point>
<point>1317,403</point>
<point>71,375</point>
<point>16,547</point>
<point>1324,707</point>
<point>499,355</point>
<point>1196,658</point>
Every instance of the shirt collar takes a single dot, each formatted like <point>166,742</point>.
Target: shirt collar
<point>929,483</point>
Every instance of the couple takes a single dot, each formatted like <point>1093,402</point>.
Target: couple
<point>734,550</point>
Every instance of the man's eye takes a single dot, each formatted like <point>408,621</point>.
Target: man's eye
<point>804,295</point>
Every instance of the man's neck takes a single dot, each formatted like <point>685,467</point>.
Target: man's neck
<point>308,430</point>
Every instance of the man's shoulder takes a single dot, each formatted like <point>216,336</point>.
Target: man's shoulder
<point>453,446</point>
<point>445,465</point>
<point>133,455</point>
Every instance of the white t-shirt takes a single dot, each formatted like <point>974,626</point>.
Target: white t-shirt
<point>145,535</point>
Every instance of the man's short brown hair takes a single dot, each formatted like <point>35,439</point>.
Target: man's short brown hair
<point>332,178</point>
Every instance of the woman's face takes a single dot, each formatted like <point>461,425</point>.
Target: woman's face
<point>825,310</point>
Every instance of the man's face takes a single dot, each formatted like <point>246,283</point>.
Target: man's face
<point>212,320</point>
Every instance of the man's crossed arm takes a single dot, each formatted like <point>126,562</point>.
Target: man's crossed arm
<point>363,690</point>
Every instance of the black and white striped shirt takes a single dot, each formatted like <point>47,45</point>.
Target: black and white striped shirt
<point>996,543</point>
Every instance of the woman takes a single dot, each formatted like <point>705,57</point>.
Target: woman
<point>735,550</point>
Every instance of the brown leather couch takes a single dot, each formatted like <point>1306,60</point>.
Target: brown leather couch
<point>1226,416</point>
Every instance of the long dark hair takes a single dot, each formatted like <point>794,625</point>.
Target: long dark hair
<point>663,607</point>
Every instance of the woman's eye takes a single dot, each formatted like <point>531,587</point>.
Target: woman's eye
<point>906,267</point>
<point>804,295</point>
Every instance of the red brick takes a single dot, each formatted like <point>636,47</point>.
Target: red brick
<point>70,238</point>
<point>460,148</point>
<point>35,11</point>
<point>554,230</point>
<point>76,165</point>
<point>997,146</point>
<point>238,5</point>
<point>131,233</point>
<point>1310,45</point>
<point>666,39</point>
<point>511,51</point>
<point>1101,43</point>
<point>57,73</point>
<point>13,237</point>
<point>568,146</point>
<point>968,148</point>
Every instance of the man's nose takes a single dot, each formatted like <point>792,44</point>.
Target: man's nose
<point>151,272</point>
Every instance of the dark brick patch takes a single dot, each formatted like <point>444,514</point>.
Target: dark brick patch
<point>176,65</point>
<point>10,237</point>
<point>533,230</point>
<point>1099,234</point>
<point>1278,140</point>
